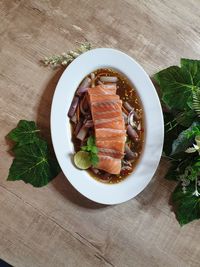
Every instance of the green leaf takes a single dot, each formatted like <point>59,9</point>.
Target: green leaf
<point>33,165</point>
<point>91,141</point>
<point>182,142</point>
<point>25,133</point>
<point>94,159</point>
<point>187,205</point>
<point>84,148</point>
<point>178,83</point>
<point>173,173</point>
<point>185,118</point>
<point>192,67</point>
<point>195,130</point>
<point>196,102</point>
<point>92,149</point>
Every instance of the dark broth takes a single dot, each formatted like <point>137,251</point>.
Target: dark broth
<point>128,93</point>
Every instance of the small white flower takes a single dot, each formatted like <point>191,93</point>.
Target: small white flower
<point>196,193</point>
<point>190,150</point>
<point>196,147</point>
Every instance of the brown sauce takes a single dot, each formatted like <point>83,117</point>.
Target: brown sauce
<point>127,93</point>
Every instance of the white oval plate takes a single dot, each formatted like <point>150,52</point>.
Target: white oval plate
<point>61,131</point>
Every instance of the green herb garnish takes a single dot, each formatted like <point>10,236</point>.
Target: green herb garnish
<point>32,163</point>
<point>92,149</point>
<point>180,94</point>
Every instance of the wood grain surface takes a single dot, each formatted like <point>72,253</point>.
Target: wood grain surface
<point>54,225</point>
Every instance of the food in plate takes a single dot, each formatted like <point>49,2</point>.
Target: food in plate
<point>107,122</point>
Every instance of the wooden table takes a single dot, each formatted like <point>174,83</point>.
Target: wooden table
<point>56,226</point>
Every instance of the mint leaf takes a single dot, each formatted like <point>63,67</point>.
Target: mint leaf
<point>92,149</point>
<point>91,141</point>
<point>26,132</point>
<point>84,148</point>
<point>32,163</point>
<point>187,205</point>
<point>94,159</point>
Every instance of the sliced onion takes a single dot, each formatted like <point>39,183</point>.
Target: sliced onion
<point>108,79</point>
<point>83,87</point>
<point>131,119</point>
<point>126,163</point>
<point>92,75</point>
<point>78,127</point>
<point>82,133</point>
<point>125,117</point>
<point>126,168</point>
<point>82,108</point>
<point>89,124</point>
<point>139,127</point>
<point>74,118</point>
<point>132,133</point>
<point>137,117</point>
<point>73,106</point>
<point>129,154</point>
<point>128,107</point>
<point>95,171</point>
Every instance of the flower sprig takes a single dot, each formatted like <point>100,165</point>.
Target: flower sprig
<point>66,58</point>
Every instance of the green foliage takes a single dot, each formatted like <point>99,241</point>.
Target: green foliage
<point>32,163</point>
<point>180,93</point>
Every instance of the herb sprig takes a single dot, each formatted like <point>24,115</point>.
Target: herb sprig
<point>92,149</point>
<point>180,95</point>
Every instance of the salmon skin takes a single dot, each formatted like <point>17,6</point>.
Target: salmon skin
<point>109,126</point>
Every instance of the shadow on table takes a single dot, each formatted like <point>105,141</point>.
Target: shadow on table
<point>60,183</point>
<point>63,186</point>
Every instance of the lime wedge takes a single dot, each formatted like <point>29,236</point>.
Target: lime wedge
<point>82,160</point>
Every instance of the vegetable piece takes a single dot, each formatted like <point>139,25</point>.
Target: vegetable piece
<point>89,124</point>
<point>82,160</point>
<point>132,133</point>
<point>139,127</point>
<point>74,118</point>
<point>73,106</point>
<point>83,87</point>
<point>83,107</point>
<point>95,171</point>
<point>131,119</point>
<point>26,132</point>
<point>128,107</point>
<point>129,154</point>
<point>92,75</point>
<point>78,127</point>
<point>108,79</point>
<point>82,133</point>
<point>125,117</point>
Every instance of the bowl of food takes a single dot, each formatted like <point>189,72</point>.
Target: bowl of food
<point>107,126</point>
